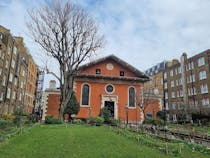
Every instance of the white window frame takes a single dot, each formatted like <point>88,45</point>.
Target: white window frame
<point>205,101</point>
<point>204,88</point>
<point>171,73</point>
<point>201,61</point>
<point>10,77</point>
<point>172,83</point>
<point>202,75</point>
<point>8,93</point>
<point>172,94</point>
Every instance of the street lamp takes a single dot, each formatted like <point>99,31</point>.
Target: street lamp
<point>126,110</point>
<point>90,110</point>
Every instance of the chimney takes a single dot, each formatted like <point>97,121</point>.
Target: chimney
<point>52,85</point>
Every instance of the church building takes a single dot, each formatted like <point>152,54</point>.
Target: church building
<point>110,82</point>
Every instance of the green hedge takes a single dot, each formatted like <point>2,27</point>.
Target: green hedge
<point>51,120</point>
<point>97,121</point>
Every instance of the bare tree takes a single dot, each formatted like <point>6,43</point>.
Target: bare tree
<point>68,34</point>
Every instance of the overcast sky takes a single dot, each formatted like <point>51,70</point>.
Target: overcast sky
<point>141,32</point>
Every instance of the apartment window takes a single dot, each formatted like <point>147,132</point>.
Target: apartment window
<point>177,82</point>
<point>165,85</point>
<point>8,93</point>
<point>98,71</point>
<point>165,75</point>
<point>174,106</point>
<point>1,96</point>
<point>161,81</point>
<point>177,94</point>
<point>202,75</point>
<point>6,64</point>
<point>179,70</point>
<point>20,97</point>
<point>205,102</point>
<point>23,73</point>
<point>201,61</point>
<point>172,83</point>
<point>171,73</point>
<point>2,56</point>
<point>172,94</point>
<point>191,78</point>
<point>13,95</point>
<point>166,95</point>
<point>180,81</point>
<point>194,91</point>
<point>176,72</point>
<point>8,50</point>
<point>21,84</point>
<point>190,66</point>
<point>85,94</point>
<point>174,117</point>
<point>13,63</point>
<point>204,88</point>
<point>4,81</point>
<point>10,77</point>
<point>15,81</point>
<point>15,50</point>
<point>181,93</point>
<point>122,73</point>
<point>131,97</point>
<point>167,106</point>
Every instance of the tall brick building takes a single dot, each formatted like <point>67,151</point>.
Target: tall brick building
<point>184,85</point>
<point>187,86</point>
<point>15,64</point>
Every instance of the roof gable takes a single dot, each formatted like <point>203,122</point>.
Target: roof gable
<point>111,66</point>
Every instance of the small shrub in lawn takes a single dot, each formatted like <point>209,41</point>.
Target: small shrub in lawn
<point>51,120</point>
<point>8,117</point>
<point>77,121</point>
<point>4,124</point>
<point>106,114</point>
<point>148,121</point>
<point>114,122</point>
<point>159,122</point>
<point>98,121</point>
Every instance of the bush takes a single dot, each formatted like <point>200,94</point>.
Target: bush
<point>51,120</point>
<point>106,114</point>
<point>78,121</point>
<point>97,121</point>
<point>4,124</point>
<point>158,122</point>
<point>114,122</point>
<point>8,117</point>
<point>148,121</point>
<point>17,120</point>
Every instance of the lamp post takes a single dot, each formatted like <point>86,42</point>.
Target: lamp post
<point>126,110</point>
<point>90,110</point>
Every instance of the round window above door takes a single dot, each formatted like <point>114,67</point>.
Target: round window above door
<point>109,88</point>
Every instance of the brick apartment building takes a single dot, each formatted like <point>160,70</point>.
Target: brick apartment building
<point>184,85</point>
<point>16,69</point>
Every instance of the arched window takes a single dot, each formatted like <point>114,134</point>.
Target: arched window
<point>131,97</point>
<point>85,94</point>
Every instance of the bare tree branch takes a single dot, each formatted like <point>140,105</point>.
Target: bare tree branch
<point>67,33</point>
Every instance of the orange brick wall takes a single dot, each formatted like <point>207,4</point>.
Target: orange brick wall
<point>115,72</point>
<point>53,105</point>
<point>97,89</point>
<point>152,106</point>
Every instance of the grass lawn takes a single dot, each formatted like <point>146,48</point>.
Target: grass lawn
<point>79,142</point>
